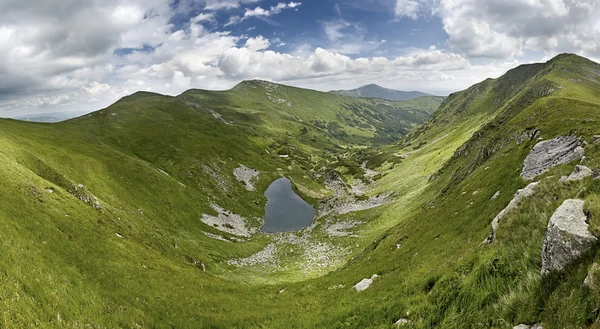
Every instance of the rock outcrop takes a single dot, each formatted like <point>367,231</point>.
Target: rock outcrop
<point>514,203</point>
<point>365,283</point>
<point>567,236</point>
<point>551,153</point>
<point>579,173</point>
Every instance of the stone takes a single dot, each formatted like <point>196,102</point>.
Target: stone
<point>548,154</point>
<point>567,236</point>
<point>579,173</point>
<point>591,280</point>
<point>403,322</point>
<point>495,196</point>
<point>514,203</point>
<point>365,283</point>
<point>526,326</point>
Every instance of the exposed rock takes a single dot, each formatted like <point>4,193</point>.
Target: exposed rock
<point>403,322</point>
<point>267,256</point>
<point>551,153</point>
<point>579,173</point>
<point>495,196</point>
<point>567,236</point>
<point>531,134</point>
<point>596,174</point>
<point>591,280</point>
<point>514,203</point>
<point>596,139</point>
<point>227,222</point>
<point>335,183</point>
<point>365,283</point>
<point>215,236</point>
<point>339,229</point>
<point>246,175</point>
<point>344,207</point>
<point>80,193</point>
<point>526,326</point>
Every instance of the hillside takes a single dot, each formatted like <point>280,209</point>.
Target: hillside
<point>375,91</point>
<point>146,213</point>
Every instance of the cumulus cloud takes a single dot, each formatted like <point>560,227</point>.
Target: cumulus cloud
<point>408,8</point>
<point>504,29</point>
<point>69,53</point>
<point>226,4</point>
<point>257,43</point>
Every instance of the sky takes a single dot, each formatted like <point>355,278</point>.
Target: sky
<point>83,55</point>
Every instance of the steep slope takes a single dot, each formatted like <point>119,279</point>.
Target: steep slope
<point>375,91</point>
<point>459,171</point>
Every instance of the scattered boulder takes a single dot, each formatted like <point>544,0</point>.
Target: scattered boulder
<point>526,326</point>
<point>579,173</point>
<point>551,153</point>
<point>365,283</point>
<point>495,196</point>
<point>514,203</point>
<point>591,280</point>
<point>403,322</point>
<point>567,236</point>
<point>596,139</point>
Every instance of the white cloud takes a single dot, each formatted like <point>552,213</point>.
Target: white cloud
<point>63,57</point>
<point>501,29</point>
<point>258,43</point>
<point>96,87</point>
<point>226,4</point>
<point>274,10</point>
<point>408,8</point>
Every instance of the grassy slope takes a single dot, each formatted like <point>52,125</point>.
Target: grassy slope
<point>441,275</point>
<point>67,264</point>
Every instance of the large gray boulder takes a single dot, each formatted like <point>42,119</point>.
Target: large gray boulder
<point>567,236</point>
<point>513,204</point>
<point>551,153</point>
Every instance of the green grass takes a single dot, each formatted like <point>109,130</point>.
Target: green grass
<point>136,262</point>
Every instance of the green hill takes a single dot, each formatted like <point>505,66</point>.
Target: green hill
<point>145,214</point>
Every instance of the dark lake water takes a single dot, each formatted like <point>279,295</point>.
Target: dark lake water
<point>286,211</point>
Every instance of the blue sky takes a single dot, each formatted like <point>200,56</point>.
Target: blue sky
<point>82,55</point>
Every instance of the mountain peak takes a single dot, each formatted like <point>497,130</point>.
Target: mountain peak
<point>376,91</point>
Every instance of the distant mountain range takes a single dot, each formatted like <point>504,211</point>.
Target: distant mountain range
<point>376,91</point>
<point>49,117</point>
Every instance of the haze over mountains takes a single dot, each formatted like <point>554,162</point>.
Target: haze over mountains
<point>376,91</point>
<point>147,213</point>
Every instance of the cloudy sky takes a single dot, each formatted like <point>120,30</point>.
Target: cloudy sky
<point>82,55</point>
